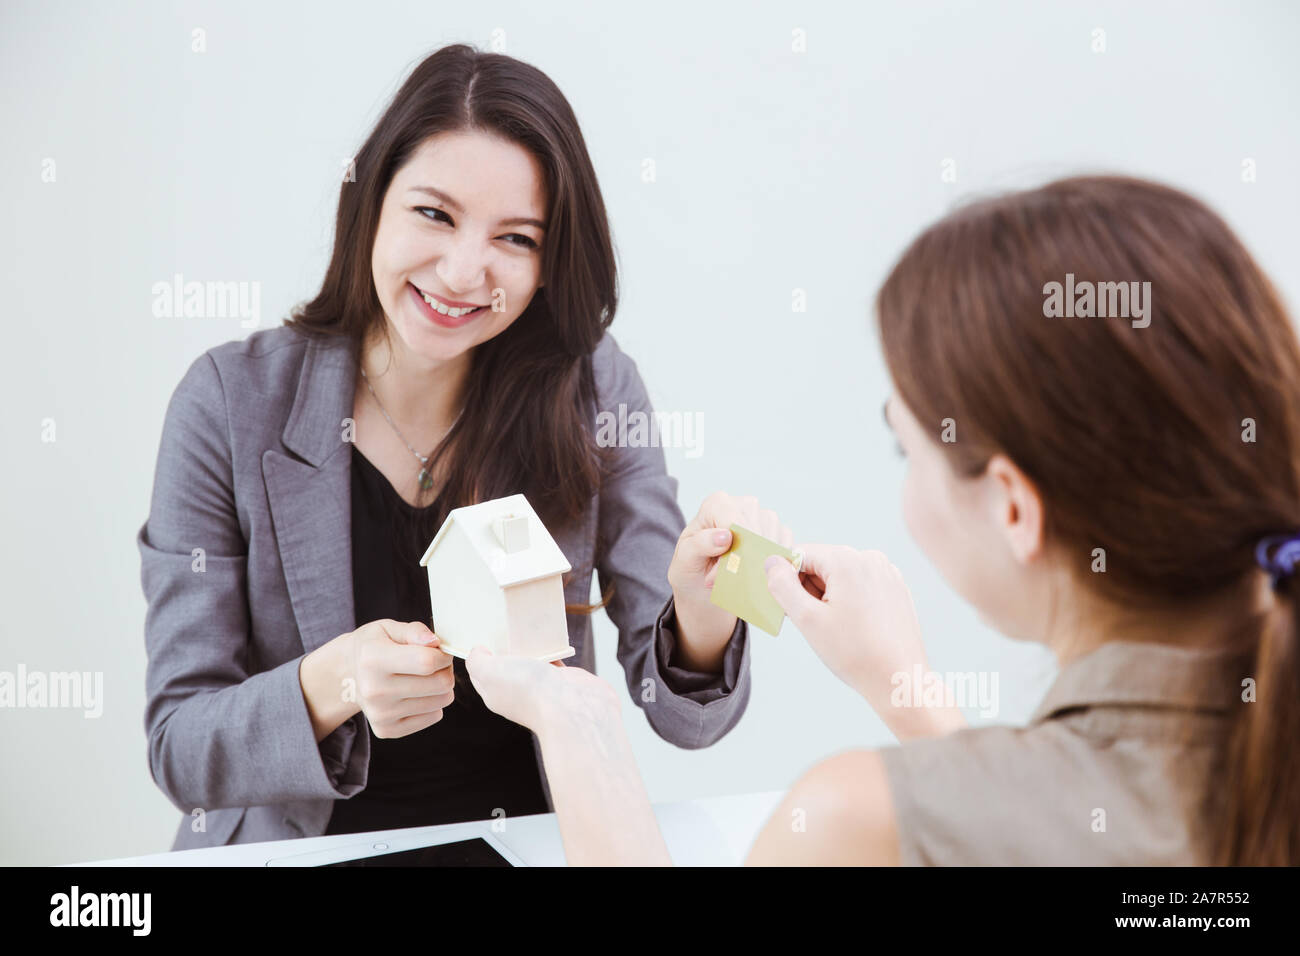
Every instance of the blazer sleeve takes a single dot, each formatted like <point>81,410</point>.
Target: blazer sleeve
<point>638,526</point>
<point>218,735</point>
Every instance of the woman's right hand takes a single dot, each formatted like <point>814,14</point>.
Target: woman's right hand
<point>403,680</point>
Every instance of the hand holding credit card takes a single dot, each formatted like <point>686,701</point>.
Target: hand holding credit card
<point>741,583</point>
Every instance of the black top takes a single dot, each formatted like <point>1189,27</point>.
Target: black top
<point>472,764</point>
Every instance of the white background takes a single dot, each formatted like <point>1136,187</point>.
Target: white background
<point>775,171</point>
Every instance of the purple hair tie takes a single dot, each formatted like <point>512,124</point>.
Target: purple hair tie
<point>1284,561</point>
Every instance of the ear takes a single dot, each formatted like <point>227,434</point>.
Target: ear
<point>1017,508</point>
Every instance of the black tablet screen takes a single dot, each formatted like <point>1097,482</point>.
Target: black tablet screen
<point>476,852</point>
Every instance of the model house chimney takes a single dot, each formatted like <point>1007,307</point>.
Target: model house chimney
<point>512,532</point>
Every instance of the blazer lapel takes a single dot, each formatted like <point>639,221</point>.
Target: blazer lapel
<point>310,498</point>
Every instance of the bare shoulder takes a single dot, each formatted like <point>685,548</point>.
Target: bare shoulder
<point>839,813</point>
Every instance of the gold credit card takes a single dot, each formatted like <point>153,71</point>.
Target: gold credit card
<point>741,583</point>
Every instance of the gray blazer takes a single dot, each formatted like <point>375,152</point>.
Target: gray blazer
<point>252,469</point>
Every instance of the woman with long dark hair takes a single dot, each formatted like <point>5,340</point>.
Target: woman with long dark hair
<point>457,352</point>
<point>1119,483</point>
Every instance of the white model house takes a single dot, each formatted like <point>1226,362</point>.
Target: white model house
<point>495,579</point>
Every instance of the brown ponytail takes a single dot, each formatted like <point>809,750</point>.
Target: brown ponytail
<point>1260,801</point>
<point>1174,445</point>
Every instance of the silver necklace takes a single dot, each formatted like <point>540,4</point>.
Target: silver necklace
<point>426,479</point>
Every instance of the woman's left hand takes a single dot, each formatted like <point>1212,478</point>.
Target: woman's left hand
<point>601,804</point>
<point>856,613</point>
<point>533,693</point>
<point>704,628</point>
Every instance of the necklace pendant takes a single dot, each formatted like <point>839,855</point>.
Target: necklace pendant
<point>426,479</point>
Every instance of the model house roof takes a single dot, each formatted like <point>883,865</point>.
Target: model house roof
<point>509,537</point>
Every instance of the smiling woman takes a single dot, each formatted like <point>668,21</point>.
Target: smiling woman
<point>456,352</point>
<point>464,263</point>
<point>456,184</point>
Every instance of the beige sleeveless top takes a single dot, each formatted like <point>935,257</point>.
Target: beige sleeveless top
<point>1109,770</point>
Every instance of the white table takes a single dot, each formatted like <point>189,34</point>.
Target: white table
<point>712,831</point>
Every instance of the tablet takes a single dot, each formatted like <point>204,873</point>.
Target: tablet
<point>484,850</point>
